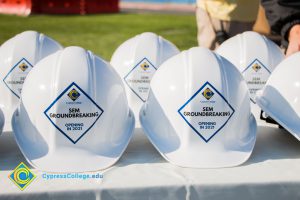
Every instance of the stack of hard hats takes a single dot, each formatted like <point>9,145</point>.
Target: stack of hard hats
<point>81,114</point>
<point>73,112</point>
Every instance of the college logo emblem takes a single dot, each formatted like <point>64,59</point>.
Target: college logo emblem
<point>205,115</point>
<point>23,67</point>
<point>73,94</point>
<point>145,66</point>
<point>22,176</point>
<point>256,67</point>
<point>207,93</point>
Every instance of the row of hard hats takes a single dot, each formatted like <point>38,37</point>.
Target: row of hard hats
<point>74,113</point>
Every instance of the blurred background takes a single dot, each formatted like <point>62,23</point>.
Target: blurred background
<point>102,25</point>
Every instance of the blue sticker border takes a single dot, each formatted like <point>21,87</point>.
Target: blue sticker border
<point>132,70</point>
<point>250,66</point>
<point>12,70</point>
<point>73,84</point>
<point>179,111</point>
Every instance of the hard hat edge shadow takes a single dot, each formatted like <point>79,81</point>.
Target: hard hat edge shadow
<point>14,131</point>
<point>260,102</point>
<point>2,121</point>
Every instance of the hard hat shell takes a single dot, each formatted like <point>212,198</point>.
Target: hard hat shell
<point>79,120</point>
<point>280,96</point>
<point>254,55</point>
<point>136,61</point>
<point>198,111</point>
<point>17,57</point>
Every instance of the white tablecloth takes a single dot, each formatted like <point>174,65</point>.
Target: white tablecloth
<point>272,172</point>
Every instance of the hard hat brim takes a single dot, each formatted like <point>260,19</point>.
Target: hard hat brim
<point>69,159</point>
<point>290,123</point>
<point>194,158</point>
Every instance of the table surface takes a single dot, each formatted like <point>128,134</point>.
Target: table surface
<point>272,171</point>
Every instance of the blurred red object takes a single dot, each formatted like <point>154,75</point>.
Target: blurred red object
<point>26,7</point>
<point>19,7</point>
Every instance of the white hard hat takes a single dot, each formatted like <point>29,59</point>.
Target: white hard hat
<point>136,61</point>
<point>254,55</point>
<point>17,57</point>
<point>80,119</point>
<point>198,111</point>
<point>280,96</point>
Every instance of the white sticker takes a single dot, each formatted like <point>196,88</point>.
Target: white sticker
<point>138,79</point>
<point>206,112</point>
<point>15,78</point>
<point>256,76</point>
<point>73,113</point>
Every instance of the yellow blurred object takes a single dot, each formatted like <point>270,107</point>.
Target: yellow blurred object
<point>231,10</point>
<point>261,25</point>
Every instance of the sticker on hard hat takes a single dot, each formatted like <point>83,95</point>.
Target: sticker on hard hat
<point>138,79</point>
<point>206,112</point>
<point>256,76</point>
<point>73,113</point>
<point>15,77</point>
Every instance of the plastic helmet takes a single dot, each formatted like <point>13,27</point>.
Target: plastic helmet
<point>136,61</point>
<point>280,96</point>
<point>254,55</point>
<point>80,119</point>
<point>17,57</point>
<point>200,115</point>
